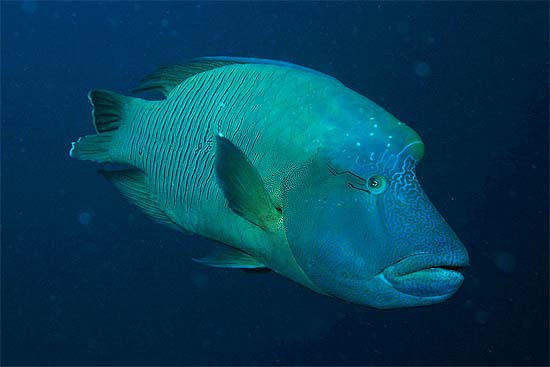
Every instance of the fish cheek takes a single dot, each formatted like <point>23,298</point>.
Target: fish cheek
<point>324,223</point>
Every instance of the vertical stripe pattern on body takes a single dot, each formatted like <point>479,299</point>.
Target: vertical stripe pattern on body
<point>173,140</point>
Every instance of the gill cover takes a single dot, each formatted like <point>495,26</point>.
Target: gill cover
<point>321,215</point>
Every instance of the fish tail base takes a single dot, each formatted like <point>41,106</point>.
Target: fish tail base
<point>92,148</point>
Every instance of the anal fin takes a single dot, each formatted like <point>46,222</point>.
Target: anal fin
<point>230,257</point>
<point>133,185</point>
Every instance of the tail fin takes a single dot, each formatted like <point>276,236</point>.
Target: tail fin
<point>92,148</point>
<point>108,114</point>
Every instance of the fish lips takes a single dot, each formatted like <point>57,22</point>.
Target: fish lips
<point>427,275</point>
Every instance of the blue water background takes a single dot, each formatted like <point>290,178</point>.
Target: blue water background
<point>87,279</point>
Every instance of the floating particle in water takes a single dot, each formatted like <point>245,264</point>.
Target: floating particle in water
<point>505,261</point>
<point>481,317</point>
<point>131,217</point>
<point>29,7</point>
<point>422,69</point>
<point>402,27</point>
<point>84,218</point>
<point>199,279</point>
<point>113,23</point>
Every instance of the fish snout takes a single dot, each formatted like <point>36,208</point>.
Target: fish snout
<point>428,274</point>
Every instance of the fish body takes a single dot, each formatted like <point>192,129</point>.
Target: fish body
<point>271,160</point>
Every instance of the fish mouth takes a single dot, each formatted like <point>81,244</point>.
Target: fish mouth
<point>427,275</point>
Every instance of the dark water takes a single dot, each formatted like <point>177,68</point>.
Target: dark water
<point>87,279</point>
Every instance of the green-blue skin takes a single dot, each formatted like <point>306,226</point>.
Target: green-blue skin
<point>377,238</point>
<point>352,220</point>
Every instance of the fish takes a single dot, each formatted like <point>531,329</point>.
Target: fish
<point>285,169</point>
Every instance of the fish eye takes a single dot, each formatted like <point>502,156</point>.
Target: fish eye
<point>377,184</point>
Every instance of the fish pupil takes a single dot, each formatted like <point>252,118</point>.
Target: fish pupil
<point>373,182</point>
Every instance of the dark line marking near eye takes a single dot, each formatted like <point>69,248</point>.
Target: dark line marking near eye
<point>358,188</point>
<point>361,180</point>
<point>336,173</point>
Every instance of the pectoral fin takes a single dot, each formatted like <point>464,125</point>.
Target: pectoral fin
<point>243,187</point>
<point>229,257</point>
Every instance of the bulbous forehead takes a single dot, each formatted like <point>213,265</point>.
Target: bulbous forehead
<point>363,134</point>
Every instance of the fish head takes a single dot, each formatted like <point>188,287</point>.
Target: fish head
<point>362,229</point>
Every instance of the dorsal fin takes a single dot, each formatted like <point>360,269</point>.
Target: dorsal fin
<point>167,78</point>
<point>254,60</point>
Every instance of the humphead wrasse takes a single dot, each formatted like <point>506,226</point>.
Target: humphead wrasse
<point>289,169</point>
